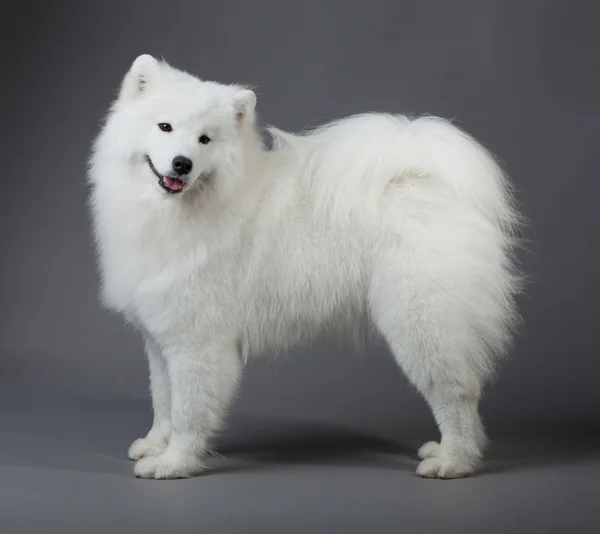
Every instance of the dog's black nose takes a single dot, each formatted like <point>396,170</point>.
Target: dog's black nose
<point>182,165</point>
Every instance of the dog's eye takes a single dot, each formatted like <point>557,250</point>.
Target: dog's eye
<point>165,127</point>
<point>204,139</point>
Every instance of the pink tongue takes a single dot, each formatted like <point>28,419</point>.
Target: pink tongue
<point>173,183</point>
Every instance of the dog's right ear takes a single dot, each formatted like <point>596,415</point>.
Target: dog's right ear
<point>139,77</point>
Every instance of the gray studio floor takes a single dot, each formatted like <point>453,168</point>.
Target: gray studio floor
<point>63,469</point>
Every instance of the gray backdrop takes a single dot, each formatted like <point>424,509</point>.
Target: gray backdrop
<point>522,76</point>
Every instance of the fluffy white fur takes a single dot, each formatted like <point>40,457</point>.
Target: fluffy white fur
<point>404,226</point>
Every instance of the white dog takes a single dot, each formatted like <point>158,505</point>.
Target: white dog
<point>217,248</point>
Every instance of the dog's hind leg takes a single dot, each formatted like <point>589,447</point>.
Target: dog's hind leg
<point>452,389</point>
<point>440,329</point>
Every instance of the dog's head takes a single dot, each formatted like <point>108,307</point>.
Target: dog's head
<point>181,132</point>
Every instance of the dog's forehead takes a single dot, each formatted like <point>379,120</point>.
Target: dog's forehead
<point>195,102</point>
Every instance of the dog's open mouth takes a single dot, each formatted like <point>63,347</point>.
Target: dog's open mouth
<point>170,184</point>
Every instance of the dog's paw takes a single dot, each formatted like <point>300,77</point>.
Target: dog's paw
<point>168,466</point>
<point>431,449</point>
<point>143,448</point>
<point>437,468</point>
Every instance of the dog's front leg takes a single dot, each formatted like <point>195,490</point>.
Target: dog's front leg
<point>203,382</point>
<point>158,437</point>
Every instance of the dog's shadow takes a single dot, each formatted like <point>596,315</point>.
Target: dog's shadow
<point>261,443</point>
<point>93,437</point>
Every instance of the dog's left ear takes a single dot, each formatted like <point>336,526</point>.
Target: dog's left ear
<point>140,75</point>
<point>244,103</point>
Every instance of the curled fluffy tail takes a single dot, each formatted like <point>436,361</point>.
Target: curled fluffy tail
<point>349,163</point>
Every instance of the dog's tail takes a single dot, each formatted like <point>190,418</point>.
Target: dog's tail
<point>349,163</point>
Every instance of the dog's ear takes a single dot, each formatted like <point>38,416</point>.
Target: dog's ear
<point>140,76</point>
<point>244,103</point>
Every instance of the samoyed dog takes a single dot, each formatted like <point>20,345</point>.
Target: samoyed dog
<point>217,248</point>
